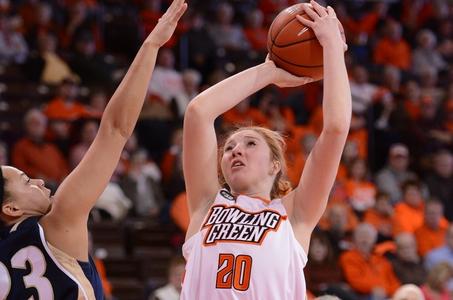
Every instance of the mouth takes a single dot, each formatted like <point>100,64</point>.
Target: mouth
<point>237,164</point>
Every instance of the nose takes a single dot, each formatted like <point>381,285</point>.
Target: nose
<point>237,150</point>
<point>39,182</point>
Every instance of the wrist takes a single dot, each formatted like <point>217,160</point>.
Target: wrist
<point>150,43</point>
<point>267,71</point>
<point>333,42</point>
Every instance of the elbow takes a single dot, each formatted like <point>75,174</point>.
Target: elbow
<point>118,129</point>
<point>338,130</point>
<point>196,111</point>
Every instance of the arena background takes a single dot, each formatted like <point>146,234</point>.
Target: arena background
<point>61,60</point>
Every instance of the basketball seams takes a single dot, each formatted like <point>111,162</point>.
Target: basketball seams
<point>290,44</point>
<point>281,28</point>
<point>290,63</point>
<point>294,43</point>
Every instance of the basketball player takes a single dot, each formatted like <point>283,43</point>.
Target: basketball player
<point>44,239</point>
<point>249,240</point>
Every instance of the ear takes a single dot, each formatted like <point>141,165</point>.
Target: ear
<point>276,167</point>
<point>12,210</point>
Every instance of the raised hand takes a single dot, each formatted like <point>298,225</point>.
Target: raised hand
<point>167,23</point>
<point>325,24</point>
<point>283,78</point>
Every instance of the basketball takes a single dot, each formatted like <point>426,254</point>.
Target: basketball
<point>294,47</point>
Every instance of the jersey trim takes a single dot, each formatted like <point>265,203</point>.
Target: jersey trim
<point>57,263</point>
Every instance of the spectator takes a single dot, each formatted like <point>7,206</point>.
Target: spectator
<point>201,48</point>
<point>391,79</point>
<point>322,271</point>
<point>141,184</point>
<point>339,222</point>
<point>13,48</point>
<point>429,83</point>
<point>97,103</point>
<point>172,289</point>
<point>255,32</point>
<point>380,216</point>
<point>350,153</point>
<point>171,166</point>
<point>224,33</point>
<point>432,233</point>
<point>93,67</point>
<point>426,54</point>
<point>81,18</point>
<point>179,212</point>
<point>296,159</point>
<point>443,253</point>
<point>191,80</point>
<point>47,65</point>
<point>37,20</point>
<point>440,181</point>
<point>412,99</point>
<point>392,49</point>
<point>243,113</point>
<point>65,106</point>
<point>35,156</point>
<point>367,273</point>
<point>407,264</point>
<point>429,133</point>
<point>408,215</point>
<point>62,111</point>
<point>112,204</point>
<point>88,133</point>
<point>392,176</point>
<point>166,83</point>
<point>360,191</point>
<point>363,92</point>
<point>279,117</point>
<point>408,292</point>
<point>436,285</point>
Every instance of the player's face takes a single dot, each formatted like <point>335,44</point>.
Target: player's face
<point>29,196</point>
<point>246,162</point>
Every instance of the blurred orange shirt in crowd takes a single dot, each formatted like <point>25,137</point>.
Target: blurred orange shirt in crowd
<point>428,239</point>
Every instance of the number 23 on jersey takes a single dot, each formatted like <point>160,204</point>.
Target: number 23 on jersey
<point>34,279</point>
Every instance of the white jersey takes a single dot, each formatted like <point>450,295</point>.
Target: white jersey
<point>246,249</point>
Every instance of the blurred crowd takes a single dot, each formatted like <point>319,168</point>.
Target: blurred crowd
<point>389,220</point>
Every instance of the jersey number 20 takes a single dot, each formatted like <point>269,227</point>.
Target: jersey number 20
<point>35,279</point>
<point>234,272</point>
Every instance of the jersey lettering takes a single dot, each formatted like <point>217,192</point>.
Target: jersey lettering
<point>232,224</point>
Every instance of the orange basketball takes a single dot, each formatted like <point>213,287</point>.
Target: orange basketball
<point>293,46</point>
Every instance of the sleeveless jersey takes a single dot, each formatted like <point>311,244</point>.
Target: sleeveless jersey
<point>246,249</point>
<point>30,268</point>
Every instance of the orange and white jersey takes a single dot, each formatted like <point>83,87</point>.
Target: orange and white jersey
<point>246,249</point>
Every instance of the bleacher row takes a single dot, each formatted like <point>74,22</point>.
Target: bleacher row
<point>136,254</point>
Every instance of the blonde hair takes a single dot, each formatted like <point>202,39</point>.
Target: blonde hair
<point>277,146</point>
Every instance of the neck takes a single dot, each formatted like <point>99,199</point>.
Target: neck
<point>253,194</point>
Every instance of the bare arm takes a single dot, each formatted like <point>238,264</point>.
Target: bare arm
<point>307,202</point>
<point>65,226</point>
<point>200,143</point>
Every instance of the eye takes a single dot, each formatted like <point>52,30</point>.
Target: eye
<point>251,143</point>
<point>228,148</point>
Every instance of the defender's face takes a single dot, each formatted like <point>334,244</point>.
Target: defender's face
<point>246,161</point>
<point>29,196</point>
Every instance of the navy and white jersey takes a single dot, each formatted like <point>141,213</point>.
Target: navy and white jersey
<point>31,268</point>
